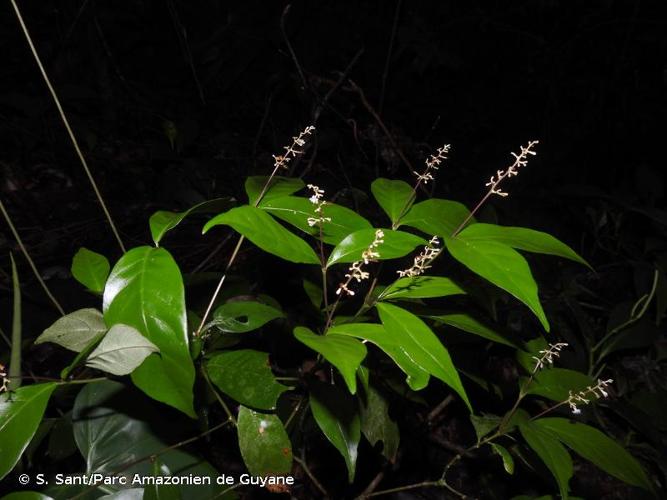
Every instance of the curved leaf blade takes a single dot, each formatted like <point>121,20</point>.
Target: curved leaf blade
<point>264,443</point>
<point>241,316</point>
<point>121,351</point>
<point>76,330</point>
<point>278,187</point>
<point>467,323</point>
<point>90,269</point>
<point>421,287</point>
<point>436,217</point>
<point>395,197</point>
<point>396,244</point>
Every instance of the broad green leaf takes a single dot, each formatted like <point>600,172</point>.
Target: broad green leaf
<point>20,414</point>
<point>521,238</point>
<point>376,424</point>
<point>314,293</point>
<point>279,187</point>
<point>508,461</point>
<point>396,244</point>
<point>484,424</point>
<point>598,448</point>
<point>145,291</point>
<point>161,491</point>
<point>392,343</point>
<point>296,211</point>
<point>163,221</point>
<point>336,414</point>
<point>556,383</point>
<point>551,452</point>
<point>245,375</point>
<point>421,287</point>
<point>467,323</point>
<point>345,353</point>
<point>501,265</point>
<point>395,197</point>
<point>265,446</point>
<point>436,217</point>
<point>75,330</point>
<point>114,427</point>
<point>240,316</point>
<point>422,346</point>
<point>122,350</point>
<point>260,228</point>
<point>90,269</point>
<point>80,358</point>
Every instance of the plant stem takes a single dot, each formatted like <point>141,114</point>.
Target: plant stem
<point>312,477</point>
<point>15,356</point>
<point>230,415</point>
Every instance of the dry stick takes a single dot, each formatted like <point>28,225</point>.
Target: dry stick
<point>390,50</point>
<point>312,477</point>
<point>185,47</point>
<point>290,48</point>
<point>66,123</point>
<point>29,259</point>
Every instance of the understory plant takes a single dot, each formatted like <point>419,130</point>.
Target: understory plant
<point>395,307</point>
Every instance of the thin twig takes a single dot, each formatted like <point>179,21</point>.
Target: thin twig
<point>283,17</point>
<point>312,477</point>
<point>387,61</point>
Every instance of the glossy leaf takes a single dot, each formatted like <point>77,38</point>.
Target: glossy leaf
<point>521,238</point>
<point>467,323</point>
<point>508,461</point>
<point>75,330</point>
<point>80,358</point>
<point>161,491</point>
<point>345,353</point>
<point>436,217</point>
<point>421,287</point>
<point>395,197</point>
<point>501,265</point>
<point>484,424</point>
<point>122,350</point>
<point>556,383</point>
<point>396,244</point>
<point>20,414</point>
<point>90,269</point>
<point>260,228</point>
<point>145,291</point>
<point>598,448</point>
<point>245,375</point>
<point>336,414</point>
<point>296,211</point>
<point>392,343</point>
<point>240,316</point>
<point>163,221</point>
<point>422,346</point>
<point>264,443</point>
<point>278,188</point>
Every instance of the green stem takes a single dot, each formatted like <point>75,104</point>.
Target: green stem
<point>230,415</point>
<point>15,356</point>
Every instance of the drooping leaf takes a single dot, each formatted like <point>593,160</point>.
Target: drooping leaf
<point>75,330</point>
<point>245,375</point>
<point>467,323</point>
<point>264,443</point>
<point>395,197</point>
<point>521,238</point>
<point>163,221</point>
<point>314,293</point>
<point>145,291</point>
<point>20,414</point>
<point>277,188</point>
<point>556,383</point>
<point>90,269</point>
<point>421,287</point>
<point>483,424</point>
<point>345,353</point>
<point>336,414</point>
<point>396,244</point>
<point>296,211</point>
<point>122,350</point>
<point>505,455</point>
<point>501,265</point>
<point>260,228</point>
<point>422,346</point>
<point>436,217</point>
<point>376,424</point>
<point>240,316</point>
<point>598,448</point>
<point>392,343</point>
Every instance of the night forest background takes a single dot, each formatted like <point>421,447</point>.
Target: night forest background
<point>177,102</point>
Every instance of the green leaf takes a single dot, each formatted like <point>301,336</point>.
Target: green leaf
<point>265,446</point>
<point>266,233</point>
<point>162,221</point>
<point>90,269</point>
<point>240,316</point>
<point>20,414</point>
<point>422,346</point>
<point>484,424</point>
<point>598,448</point>
<point>245,375</point>
<point>501,265</point>
<point>396,244</point>
<point>314,293</point>
<point>145,291</point>
<point>376,424</point>
<point>81,356</point>
<point>551,452</point>
<point>278,188</point>
<point>161,491</point>
<point>522,239</point>
<point>296,211</point>
<point>395,197</point>
<point>436,217</point>
<point>556,383</point>
<point>508,461</point>
<point>122,350</point>
<point>336,414</point>
<point>421,287</point>
<point>75,330</point>
<point>467,323</point>
<point>392,343</point>
<point>345,353</point>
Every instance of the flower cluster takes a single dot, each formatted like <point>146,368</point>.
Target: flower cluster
<point>3,377</point>
<point>355,271</point>
<point>520,160</point>
<point>580,397</point>
<point>316,199</point>
<point>548,355</point>
<point>433,164</point>
<point>423,261</point>
<point>293,149</point>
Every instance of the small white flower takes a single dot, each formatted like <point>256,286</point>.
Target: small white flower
<point>520,160</point>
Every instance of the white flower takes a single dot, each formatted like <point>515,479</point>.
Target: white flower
<point>520,160</point>
<point>423,260</point>
<point>548,355</point>
<point>355,272</point>
<point>580,397</point>
<point>432,163</point>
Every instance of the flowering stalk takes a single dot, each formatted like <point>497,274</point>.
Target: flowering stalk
<point>4,379</point>
<point>319,220</point>
<point>423,261</point>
